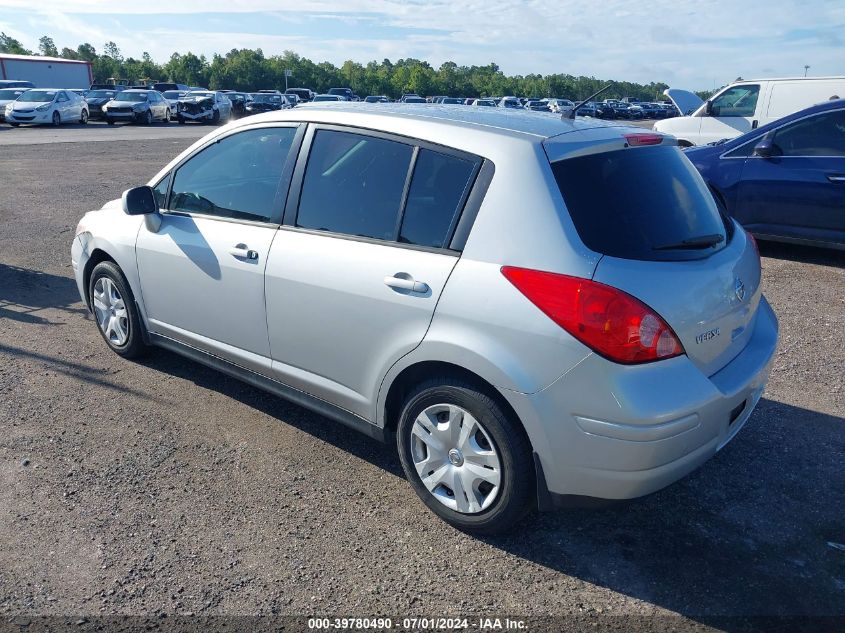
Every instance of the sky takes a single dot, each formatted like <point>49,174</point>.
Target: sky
<point>690,44</point>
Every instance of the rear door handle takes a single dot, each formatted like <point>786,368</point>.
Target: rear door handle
<point>404,281</point>
<point>836,177</point>
<point>242,252</point>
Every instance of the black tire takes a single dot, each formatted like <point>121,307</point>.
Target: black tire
<point>181,120</point>
<point>57,119</point>
<point>83,120</point>
<point>215,119</point>
<point>14,124</point>
<point>517,493</point>
<point>148,118</point>
<point>166,116</point>
<point>109,121</point>
<point>134,345</point>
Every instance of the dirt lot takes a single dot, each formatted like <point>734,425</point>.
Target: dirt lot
<point>164,487</point>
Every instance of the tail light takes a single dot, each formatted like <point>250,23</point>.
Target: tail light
<point>639,139</point>
<point>610,322</point>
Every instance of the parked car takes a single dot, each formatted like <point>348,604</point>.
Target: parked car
<point>108,86</point>
<point>406,95</point>
<point>784,181</point>
<point>164,86</point>
<point>587,109</point>
<point>172,97</point>
<point>40,106</point>
<point>239,102</point>
<point>264,102</point>
<point>537,105</point>
<point>205,106</point>
<point>604,341</point>
<point>451,101</point>
<point>305,94</point>
<point>96,99</point>
<point>15,83</point>
<point>510,102</point>
<point>376,99</point>
<point>327,97</point>
<point>411,99</point>
<point>487,103</point>
<point>7,95</point>
<point>561,106</point>
<point>136,106</point>
<point>345,93</point>
<point>744,106</point>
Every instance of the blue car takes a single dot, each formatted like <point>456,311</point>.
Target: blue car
<point>786,180</point>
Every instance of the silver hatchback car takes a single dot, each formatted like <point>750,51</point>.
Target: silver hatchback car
<point>533,309</point>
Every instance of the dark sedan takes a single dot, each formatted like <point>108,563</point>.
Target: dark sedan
<point>786,180</point>
<point>96,99</point>
<point>264,102</point>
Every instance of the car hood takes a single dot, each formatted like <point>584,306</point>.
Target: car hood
<point>202,100</point>
<point>686,101</point>
<point>98,100</point>
<point>28,105</point>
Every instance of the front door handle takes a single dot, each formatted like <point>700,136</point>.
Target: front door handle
<point>404,281</point>
<point>242,252</point>
<point>836,177</point>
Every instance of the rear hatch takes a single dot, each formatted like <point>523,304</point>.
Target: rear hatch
<point>636,200</point>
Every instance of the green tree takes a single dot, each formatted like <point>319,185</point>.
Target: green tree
<point>9,44</point>
<point>47,47</point>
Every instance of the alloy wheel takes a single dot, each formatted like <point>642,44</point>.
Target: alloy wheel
<point>455,458</point>
<point>110,311</point>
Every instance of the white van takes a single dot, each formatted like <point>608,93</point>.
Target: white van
<point>743,106</point>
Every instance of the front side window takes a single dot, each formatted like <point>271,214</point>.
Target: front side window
<point>820,135</point>
<point>235,177</point>
<point>736,101</point>
<point>354,184</point>
<point>439,187</point>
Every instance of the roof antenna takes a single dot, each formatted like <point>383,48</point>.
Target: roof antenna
<point>571,115</point>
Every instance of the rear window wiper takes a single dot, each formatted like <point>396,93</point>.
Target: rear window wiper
<point>702,241</point>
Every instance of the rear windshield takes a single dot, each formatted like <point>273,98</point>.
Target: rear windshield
<point>646,203</point>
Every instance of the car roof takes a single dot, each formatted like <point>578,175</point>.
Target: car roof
<point>393,116</point>
<point>144,90</point>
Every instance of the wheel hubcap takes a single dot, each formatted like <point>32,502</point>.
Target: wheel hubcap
<point>110,310</point>
<point>455,458</point>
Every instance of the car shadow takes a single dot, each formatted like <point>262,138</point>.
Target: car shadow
<point>803,254</point>
<point>25,293</point>
<point>753,532</point>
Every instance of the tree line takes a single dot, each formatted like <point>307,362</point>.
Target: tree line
<point>249,70</point>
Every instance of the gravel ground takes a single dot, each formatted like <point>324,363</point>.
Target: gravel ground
<point>164,487</point>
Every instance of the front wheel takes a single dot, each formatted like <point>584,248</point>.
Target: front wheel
<point>57,119</point>
<point>468,461</point>
<point>109,121</point>
<point>114,309</point>
<point>84,118</point>
<point>148,118</point>
<point>215,118</point>
<point>167,115</point>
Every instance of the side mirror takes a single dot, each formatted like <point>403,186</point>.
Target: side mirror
<point>139,201</point>
<point>766,148</point>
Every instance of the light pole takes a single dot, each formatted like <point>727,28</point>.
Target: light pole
<point>806,68</point>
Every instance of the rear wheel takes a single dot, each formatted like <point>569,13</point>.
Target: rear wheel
<point>114,310</point>
<point>468,461</point>
<point>57,118</point>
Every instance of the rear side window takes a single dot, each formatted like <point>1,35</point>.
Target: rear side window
<point>438,189</point>
<point>645,203</point>
<point>354,184</point>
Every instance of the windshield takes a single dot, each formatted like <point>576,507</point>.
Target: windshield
<point>37,96</point>
<point>200,93</point>
<point>261,97</point>
<point>173,94</point>
<point>325,98</point>
<point>101,94</point>
<point>11,93</point>
<point>135,97</point>
<point>640,203</point>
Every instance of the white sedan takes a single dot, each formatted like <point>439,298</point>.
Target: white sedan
<point>47,106</point>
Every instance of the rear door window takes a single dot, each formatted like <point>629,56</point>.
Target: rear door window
<point>354,184</point>
<point>644,203</point>
<point>438,190</point>
<point>820,135</point>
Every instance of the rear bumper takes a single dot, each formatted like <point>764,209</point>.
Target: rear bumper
<point>619,432</point>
